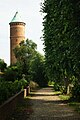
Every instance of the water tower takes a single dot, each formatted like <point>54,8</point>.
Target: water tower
<point>17,34</point>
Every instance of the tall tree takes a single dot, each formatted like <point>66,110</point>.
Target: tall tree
<point>37,70</point>
<point>30,62</point>
<point>24,53</point>
<point>62,39</point>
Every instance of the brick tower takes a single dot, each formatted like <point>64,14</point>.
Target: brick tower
<point>17,34</point>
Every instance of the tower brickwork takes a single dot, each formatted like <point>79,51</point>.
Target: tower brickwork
<point>17,34</point>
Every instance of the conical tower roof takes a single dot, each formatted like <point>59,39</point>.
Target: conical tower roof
<point>16,18</point>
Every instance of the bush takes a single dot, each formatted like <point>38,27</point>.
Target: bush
<point>56,87</point>
<point>4,91</point>
<point>76,92</point>
<point>9,88</point>
<point>63,89</point>
<point>11,73</point>
<point>22,84</point>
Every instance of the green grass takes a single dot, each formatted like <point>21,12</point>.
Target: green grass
<point>76,105</point>
<point>64,97</point>
<point>57,92</point>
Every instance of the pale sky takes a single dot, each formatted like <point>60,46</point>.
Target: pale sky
<point>29,11</point>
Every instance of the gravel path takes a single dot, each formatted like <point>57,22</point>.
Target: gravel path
<point>44,105</point>
<point>47,106</point>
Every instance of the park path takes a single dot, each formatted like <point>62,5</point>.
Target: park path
<point>45,105</point>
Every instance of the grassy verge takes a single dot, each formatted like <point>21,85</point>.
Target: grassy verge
<point>64,97</point>
<point>75,105</point>
<point>57,93</point>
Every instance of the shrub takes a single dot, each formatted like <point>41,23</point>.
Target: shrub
<point>76,92</point>
<point>9,88</point>
<point>4,91</point>
<point>63,89</point>
<point>22,83</point>
<point>56,87</point>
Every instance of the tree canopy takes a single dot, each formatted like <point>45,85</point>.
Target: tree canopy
<point>24,53</point>
<point>62,39</point>
<point>30,62</point>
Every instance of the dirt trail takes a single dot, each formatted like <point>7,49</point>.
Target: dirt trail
<point>44,105</point>
<point>47,106</point>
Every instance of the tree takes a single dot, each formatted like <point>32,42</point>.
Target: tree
<point>61,39</point>
<point>24,53</point>
<point>30,62</point>
<point>37,70</point>
<point>11,73</point>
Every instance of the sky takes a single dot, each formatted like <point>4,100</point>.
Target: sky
<point>29,11</point>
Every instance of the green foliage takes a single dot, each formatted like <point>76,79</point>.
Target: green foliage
<point>62,40</point>
<point>11,73</point>
<point>8,89</point>
<point>30,62</point>
<point>56,87</point>
<point>3,65</point>
<point>22,83</point>
<point>76,92</point>
<point>57,93</point>
<point>51,83</point>
<point>37,70</point>
<point>5,91</point>
<point>63,89</point>
<point>24,54</point>
<point>64,97</point>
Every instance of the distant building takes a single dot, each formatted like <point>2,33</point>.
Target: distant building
<point>17,34</point>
